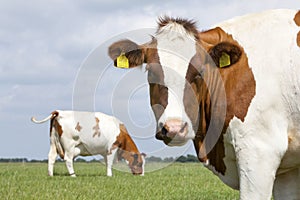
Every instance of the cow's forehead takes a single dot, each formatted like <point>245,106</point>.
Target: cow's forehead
<point>176,38</point>
<point>188,25</point>
<point>176,45</point>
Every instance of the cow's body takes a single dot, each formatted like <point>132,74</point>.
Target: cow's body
<point>243,114</point>
<point>74,133</point>
<point>268,139</point>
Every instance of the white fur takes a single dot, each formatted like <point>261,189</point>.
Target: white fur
<point>257,149</point>
<point>175,49</point>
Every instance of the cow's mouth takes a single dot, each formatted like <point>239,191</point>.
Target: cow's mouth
<point>136,170</point>
<point>175,137</point>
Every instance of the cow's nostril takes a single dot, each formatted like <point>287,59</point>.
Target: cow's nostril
<point>164,131</point>
<point>161,125</point>
<point>183,127</point>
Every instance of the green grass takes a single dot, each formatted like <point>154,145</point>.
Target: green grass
<point>176,181</point>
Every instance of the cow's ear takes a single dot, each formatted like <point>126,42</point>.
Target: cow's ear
<point>225,54</point>
<point>126,54</point>
<point>144,155</point>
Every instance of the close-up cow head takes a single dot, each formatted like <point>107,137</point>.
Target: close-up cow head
<point>181,67</point>
<point>135,161</point>
<point>128,151</point>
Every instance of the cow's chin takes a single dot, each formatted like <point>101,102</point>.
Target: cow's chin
<point>137,171</point>
<point>173,139</point>
<point>178,141</point>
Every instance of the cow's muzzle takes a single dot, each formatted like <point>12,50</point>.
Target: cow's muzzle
<point>172,131</point>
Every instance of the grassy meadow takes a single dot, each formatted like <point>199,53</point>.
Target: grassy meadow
<point>176,181</point>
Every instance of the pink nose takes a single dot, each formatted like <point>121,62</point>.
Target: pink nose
<point>173,127</point>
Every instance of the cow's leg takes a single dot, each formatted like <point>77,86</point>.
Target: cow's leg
<point>255,185</point>
<point>258,162</point>
<point>287,185</point>
<point>109,162</point>
<point>257,175</point>
<point>51,158</point>
<point>259,147</point>
<point>77,151</point>
<point>69,155</point>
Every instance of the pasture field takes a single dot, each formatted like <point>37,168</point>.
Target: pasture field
<point>176,181</point>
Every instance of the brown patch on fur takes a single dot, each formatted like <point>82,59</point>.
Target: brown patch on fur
<point>54,114</point>
<point>124,140</point>
<point>297,18</point>
<point>78,127</point>
<point>158,92</point>
<point>128,150</point>
<point>54,123</point>
<point>97,128</point>
<point>58,130</point>
<point>158,99</point>
<point>297,22</point>
<point>298,39</point>
<point>189,25</point>
<point>239,85</point>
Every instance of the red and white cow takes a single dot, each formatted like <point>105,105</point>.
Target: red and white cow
<point>235,91</point>
<point>74,133</point>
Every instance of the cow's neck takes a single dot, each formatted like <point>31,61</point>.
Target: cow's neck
<point>209,138</point>
<point>237,81</point>
<point>126,144</point>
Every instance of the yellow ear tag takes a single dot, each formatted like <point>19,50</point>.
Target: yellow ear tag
<point>224,60</point>
<point>122,61</point>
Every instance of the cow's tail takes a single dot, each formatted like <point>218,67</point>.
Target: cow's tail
<point>55,138</point>
<point>51,116</point>
<point>59,148</point>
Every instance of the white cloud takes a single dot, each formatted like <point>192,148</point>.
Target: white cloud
<point>5,100</point>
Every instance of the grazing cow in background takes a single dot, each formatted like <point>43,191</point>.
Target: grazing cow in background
<point>234,90</point>
<point>74,133</point>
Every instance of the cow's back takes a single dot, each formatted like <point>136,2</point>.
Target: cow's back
<point>94,132</point>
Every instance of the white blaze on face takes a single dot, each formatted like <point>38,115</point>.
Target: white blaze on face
<point>175,48</point>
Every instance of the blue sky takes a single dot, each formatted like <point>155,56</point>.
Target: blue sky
<point>45,46</point>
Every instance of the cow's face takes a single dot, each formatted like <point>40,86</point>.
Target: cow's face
<point>170,94</point>
<point>136,163</point>
<point>175,64</point>
<point>129,152</point>
<point>168,57</point>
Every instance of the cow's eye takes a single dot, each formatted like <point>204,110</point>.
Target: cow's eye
<point>151,77</point>
<point>148,67</point>
<point>155,73</point>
